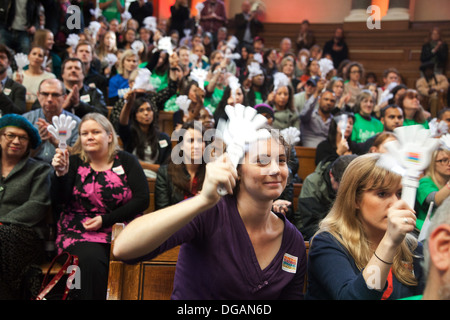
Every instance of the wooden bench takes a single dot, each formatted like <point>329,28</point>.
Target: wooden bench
<point>146,280</point>
<point>297,190</point>
<point>306,161</point>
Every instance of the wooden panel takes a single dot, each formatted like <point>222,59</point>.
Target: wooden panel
<point>306,158</point>
<point>165,121</point>
<point>297,190</point>
<point>151,186</point>
<point>157,281</point>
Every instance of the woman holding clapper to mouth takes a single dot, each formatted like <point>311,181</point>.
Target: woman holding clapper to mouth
<point>232,247</point>
<point>94,188</point>
<point>363,248</point>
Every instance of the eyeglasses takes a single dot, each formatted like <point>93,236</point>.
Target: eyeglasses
<point>445,161</point>
<point>11,137</point>
<point>52,94</point>
<point>412,95</point>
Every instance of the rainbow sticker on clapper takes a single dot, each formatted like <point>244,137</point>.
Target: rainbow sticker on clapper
<point>413,157</point>
<point>62,129</point>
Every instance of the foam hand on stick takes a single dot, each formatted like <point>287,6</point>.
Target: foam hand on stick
<point>408,156</point>
<point>291,135</point>
<point>238,132</point>
<point>62,129</point>
<point>342,123</point>
<point>325,65</point>
<point>21,61</point>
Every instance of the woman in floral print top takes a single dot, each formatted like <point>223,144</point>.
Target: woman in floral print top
<point>93,188</point>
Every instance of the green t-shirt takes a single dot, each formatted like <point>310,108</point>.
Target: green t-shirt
<point>418,297</point>
<point>258,98</point>
<point>426,186</point>
<point>111,11</point>
<point>212,101</point>
<point>407,122</point>
<point>159,82</point>
<point>363,129</point>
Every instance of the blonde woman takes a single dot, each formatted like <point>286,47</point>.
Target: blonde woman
<point>363,249</point>
<point>434,186</point>
<point>128,62</point>
<point>95,187</point>
<point>107,45</point>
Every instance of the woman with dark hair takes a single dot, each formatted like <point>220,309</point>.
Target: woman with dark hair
<point>159,66</point>
<point>138,129</point>
<point>281,99</point>
<point>232,247</point>
<point>256,86</point>
<point>337,145</point>
<point>228,98</point>
<point>183,176</point>
<point>197,97</point>
<point>412,110</point>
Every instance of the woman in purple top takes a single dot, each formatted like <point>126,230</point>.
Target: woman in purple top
<point>94,188</point>
<point>233,247</point>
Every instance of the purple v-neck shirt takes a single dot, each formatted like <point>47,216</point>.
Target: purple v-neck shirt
<point>217,259</point>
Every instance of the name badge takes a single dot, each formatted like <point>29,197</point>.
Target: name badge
<point>163,143</point>
<point>85,98</point>
<point>7,91</point>
<point>289,263</point>
<point>119,170</point>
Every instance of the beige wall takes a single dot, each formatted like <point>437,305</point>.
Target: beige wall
<point>430,10</point>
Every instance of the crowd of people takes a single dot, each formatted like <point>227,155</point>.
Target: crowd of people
<point>249,244</point>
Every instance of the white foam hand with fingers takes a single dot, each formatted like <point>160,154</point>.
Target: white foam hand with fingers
<point>238,132</point>
<point>409,155</point>
<point>62,129</point>
<point>291,135</point>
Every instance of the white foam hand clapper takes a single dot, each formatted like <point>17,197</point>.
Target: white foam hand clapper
<point>62,129</point>
<point>291,135</point>
<point>238,132</point>
<point>409,155</point>
<point>445,141</point>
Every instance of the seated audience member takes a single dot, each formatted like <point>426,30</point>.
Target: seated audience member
<point>380,140</point>
<point>159,65</point>
<point>138,129</point>
<point>363,248</point>
<point>108,45</point>
<point>221,254</point>
<point>287,66</point>
<point>183,176</point>
<point>336,49</point>
<point>127,64</point>
<point>256,84</point>
<point>81,99</point>
<point>435,251</point>
<point>336,85</point>
<point>32,77</point>
<point>24,203</point>
<point>391,118</point>
<point>318,194</point>
<point>434,186</point>
<point>95,187</point>
<point>444,115</point>
<point>366,125</point>
<point>92,66</point>
<point>300,98</point>
<point>316,116</point>
<point>390,75</point>
<point>281,99</point>
<point>51,96</point>
<point>230,98</point>
<point>432,87</point>
<point>45,38</point>
<point>12,93</point>
<point>354,76</point>
<point>215,85</point>
<point>197,97</point>
<point>158,99</point>
<point>435,49</point>
<point>337,145</point>
<point>413,112</point>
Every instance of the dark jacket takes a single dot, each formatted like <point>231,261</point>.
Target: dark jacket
<point>91,100</point>
<point>8,12</point>
<point>315,200</point>
<point>240,23</point>
<point>166,194</point>
<point>12,98</point>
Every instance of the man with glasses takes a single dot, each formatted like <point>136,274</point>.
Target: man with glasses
<point>51,96</point>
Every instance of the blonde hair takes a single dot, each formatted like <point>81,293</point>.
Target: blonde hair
<point>431,170</point>
<point>343,220</point>
<point>113,146</point>
<point>125,54</point>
